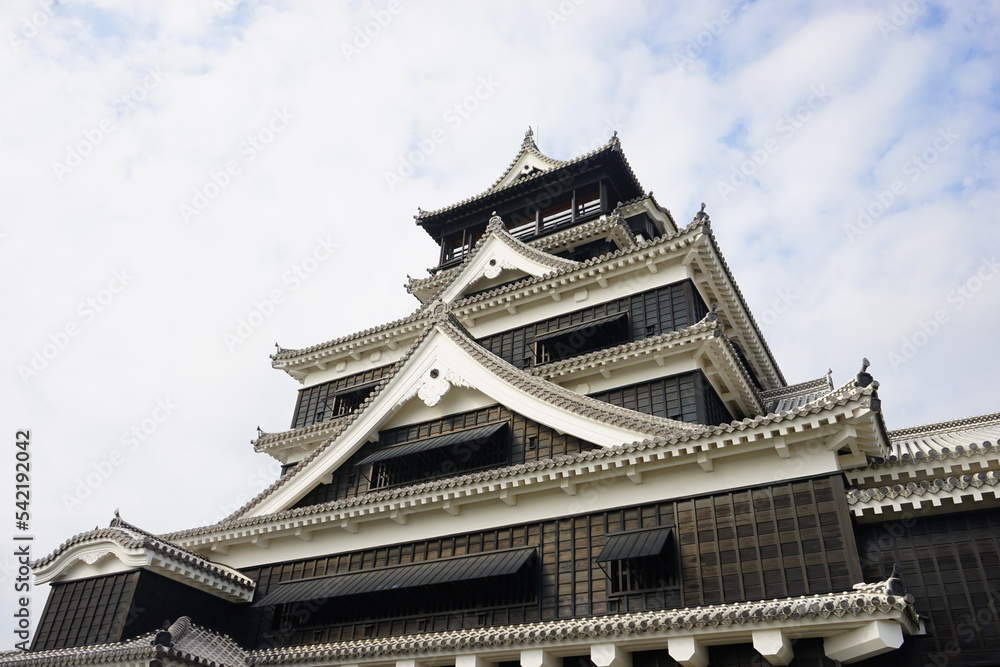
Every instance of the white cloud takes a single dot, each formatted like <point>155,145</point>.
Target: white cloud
<point>604,67</point>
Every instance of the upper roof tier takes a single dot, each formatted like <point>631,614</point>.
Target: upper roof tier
<point>535,185</point>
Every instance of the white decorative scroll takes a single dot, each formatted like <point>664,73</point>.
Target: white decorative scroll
<point>433,389</point>
<point>495,266</point>
<point>437,384</point>
<point>493,269</point>
<point>455,379</point>
<point>91,557</point>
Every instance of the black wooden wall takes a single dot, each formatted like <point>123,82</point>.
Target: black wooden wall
<point>951,565</point>
<point>768,542</point>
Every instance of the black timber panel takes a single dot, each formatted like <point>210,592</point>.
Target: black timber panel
<point>951,566</point>
<point>158,599</point>
<point>317,403</point>
<point>767,542</point>
<point>88,611</point>
<point>650,313</point>
<point>527,441</point>
<point>687,397</point>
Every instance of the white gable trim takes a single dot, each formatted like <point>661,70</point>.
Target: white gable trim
<point>526,164</point>
<point>93,554</point>
<point>434,366</point>
<point>498,252</point>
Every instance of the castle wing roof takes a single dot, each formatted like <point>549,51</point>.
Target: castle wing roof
<point>942,437</point>
<point>138,548</point>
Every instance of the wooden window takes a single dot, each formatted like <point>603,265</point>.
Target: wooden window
<point>659,310</point>
<point>581,338</point>
<point>685,397</point>
<point>441,456</point>
<point>640,560</point>
<point>335,398</point>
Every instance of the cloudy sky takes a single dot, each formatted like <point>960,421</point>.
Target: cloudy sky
<point>186,183</point>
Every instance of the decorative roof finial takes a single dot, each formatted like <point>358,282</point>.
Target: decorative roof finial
<point>713,315</point>
<point>117,520</point>
<point>496,222</point>
<point>864,378</point>
<point>260,431</point>
<point>702,216</point>
<point>163,636</point>
<point>894,584</point>
<point>529,139</point>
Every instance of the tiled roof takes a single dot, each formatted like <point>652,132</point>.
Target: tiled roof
<point>942,437</point>
<point>283,354</point>
<point>699,225</point>
<point>613,145</point>
<point>188,643</point>
<point>912,448</point>
<point>339,427</point>
<point>131,537</point>
<point>980,480</point>
<point>495,228</point>
<point>838,398</point>
<point>626,349</point>
<point>551,393</point>
<point>419,318</point>
<point>764,349</point>
<point>546,243</point>
<point>796,395</point>
<point>882,600</point>
<point>527,144</point>
<point>559,396</point>
<point>182,641</point>
<point>607,258</point>
<point>652,200</point>
<point>266,441</point>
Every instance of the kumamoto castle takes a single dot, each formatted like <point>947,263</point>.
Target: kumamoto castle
<point>578,451</point>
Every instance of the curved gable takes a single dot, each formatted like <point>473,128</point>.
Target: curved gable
<point>446,357</point>
<point>499,257</point>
